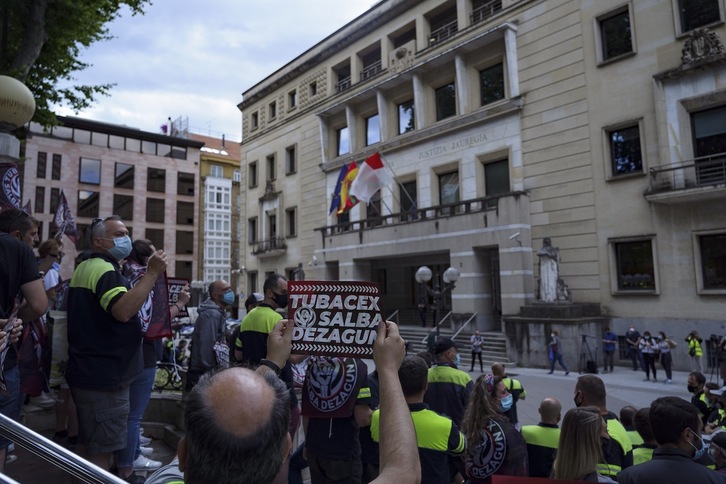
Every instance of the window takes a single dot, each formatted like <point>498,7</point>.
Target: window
<point>449,187</point>
<point>90,171</point>
<point>218,225</point>
<point>271,167</point>
<point>216,171</point>
<point>148,147</point>
<point>373,129</point>
<point>236,176</point>
<point>343,220</point>
<point>698,13</point>
<point>252,230</point>
<point>39,200</point>
<point>123,206</point>
<point>408,196</point>
<point>709,141</point>
<point>116,142</point>
<point>155,210</point>
<point>272,109</point>
<point>253,174</point>
<point>373,210</point>
<point>219,198</point>
<point>87,203</point>
<point>272,225</point>
<point>133,145</point>
<point>290,160</point>
<point>42,165</point>
<point>54,196</point>
<point>625,152</point>
<point>342,141</point>
<point>713,260</point>
<point>56,167</point>
<point>156,181</point>
<point>496,178</point>
<point>634,265</point>
<point>124,176</point>
<point>291,219</point>
<point>491,84</point>
<point>292,99</point>
<point>252,282</point>
<point>255,120</point>
<point>184,242</point>
<point>82,136</point>
<point>99,139</point>
<point>183,269</point>
<point>406,120</point>
<point>156,236</point>
<point>445,101</point>
<point>185,183</point>
<point>313,88</point>
<point>185,213</point>
<point>615,34</point>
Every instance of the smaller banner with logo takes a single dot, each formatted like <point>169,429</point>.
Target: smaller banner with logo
<point>9,186</point>
<point>334,318</point>
<point>175,288</point>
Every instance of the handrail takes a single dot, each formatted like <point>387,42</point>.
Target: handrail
<point>55,454</point>
<point>7,480</point>
<point>441,321</point>
<point>393,315</point>
<point>698,172</point>
<point>463,326</point>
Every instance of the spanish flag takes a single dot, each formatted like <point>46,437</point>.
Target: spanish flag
<point>347,201</point>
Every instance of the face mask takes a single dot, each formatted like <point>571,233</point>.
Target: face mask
<point>228,298</point>
<point>457,359</point>
<point>552,335</point>
<point>647,336</point>
<point>121,247</point>
<point>699,451</point>
<point>577,404</point>
<point>691,389</point>
<point>280,300</point>
<point>506,402</point>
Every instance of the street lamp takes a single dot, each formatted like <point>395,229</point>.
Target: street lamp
<point>424,275</point>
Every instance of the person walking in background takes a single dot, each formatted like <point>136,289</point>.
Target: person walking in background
<point>666,345</point>
<point>695,351</point>
<point>555,353</point>
<point>579,452</point>
<point>542,439</point>
<point>648,347</point>
<point>609,340</point>
<point>476,343</point>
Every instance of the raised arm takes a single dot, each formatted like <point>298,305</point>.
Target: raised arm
<point>130,303</point>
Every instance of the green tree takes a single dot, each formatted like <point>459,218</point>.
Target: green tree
<point>41,41</point>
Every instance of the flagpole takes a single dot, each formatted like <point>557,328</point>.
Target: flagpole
<point>388,165</point>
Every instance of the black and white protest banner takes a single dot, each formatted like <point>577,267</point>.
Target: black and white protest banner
<point>175,286</point>
<point>334,318</point>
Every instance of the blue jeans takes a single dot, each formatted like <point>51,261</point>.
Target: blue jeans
<point>559,360</point>
<point>10,405</point>
<point>139,396</point>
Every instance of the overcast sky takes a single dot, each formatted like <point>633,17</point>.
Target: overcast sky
<point>194,58</point>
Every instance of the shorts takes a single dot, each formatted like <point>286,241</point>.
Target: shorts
<point>102,418</point>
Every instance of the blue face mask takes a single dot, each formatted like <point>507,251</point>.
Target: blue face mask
<point>228,298</point>
<point>457,360</point>
<point>699,451</point>
<point>507,402</point>
<point>121,247</point>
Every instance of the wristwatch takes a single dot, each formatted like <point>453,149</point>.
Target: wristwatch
<point>271,365</point>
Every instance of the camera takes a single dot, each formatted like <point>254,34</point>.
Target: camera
<point>716,339</point>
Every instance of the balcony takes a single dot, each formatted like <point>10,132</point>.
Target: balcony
<point>269,248</point>
<point>343,84</point>
<point>372,70</point>
<point>700,179</point>
<point>486,11</point>
<point>443,33</point>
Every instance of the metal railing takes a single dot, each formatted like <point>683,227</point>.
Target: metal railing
<point>371,70</point>
<point>699,172</point>
<point>393,315</point>
<point>485,11</point>
<point>269,245</point>
<point>437,326</point>
<point>53,453</point>
<point>343,84</point>
<point>464,326</point>
<point>443,33</point>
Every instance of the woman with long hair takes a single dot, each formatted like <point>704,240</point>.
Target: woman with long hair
<point>494,445</point>
<point>580,450</point>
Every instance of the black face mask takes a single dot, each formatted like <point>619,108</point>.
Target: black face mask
<point>577,404</point>
<point>280,300</point>
<point>692,389</point>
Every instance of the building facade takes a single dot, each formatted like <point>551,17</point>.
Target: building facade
<point>600,124</point>
<point>150,180</point>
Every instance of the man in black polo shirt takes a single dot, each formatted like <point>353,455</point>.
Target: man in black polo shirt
<point>543,439</point>
<point>104,338</point>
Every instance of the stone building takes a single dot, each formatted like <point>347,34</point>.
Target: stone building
<point>600,124</point>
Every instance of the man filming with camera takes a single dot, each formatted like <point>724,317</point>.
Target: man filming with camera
<point>695,351</point>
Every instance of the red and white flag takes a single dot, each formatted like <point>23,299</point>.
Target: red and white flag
<point>372,176</point>
<point>63,220</point>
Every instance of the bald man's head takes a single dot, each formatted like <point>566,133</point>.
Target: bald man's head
<point>498,369</point>
<point>237,428</point>
<point>550,411</point>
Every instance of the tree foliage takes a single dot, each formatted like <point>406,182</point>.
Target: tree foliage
<point>40,44</point>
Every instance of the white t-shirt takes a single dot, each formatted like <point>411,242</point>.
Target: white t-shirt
<point>51,280</point>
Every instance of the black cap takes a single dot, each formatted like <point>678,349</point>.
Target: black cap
<point>443,344</point>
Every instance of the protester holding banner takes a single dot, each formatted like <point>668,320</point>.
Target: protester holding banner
<point>104,338</point>
<point>156,316</point>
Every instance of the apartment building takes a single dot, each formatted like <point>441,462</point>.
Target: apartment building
<point>600,124</point>
<point>150,180</point>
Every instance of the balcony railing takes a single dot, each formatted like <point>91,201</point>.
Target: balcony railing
<point>270,246</point>
<point>697,173</point>
<point>465,207</point>
<point>343,84</point>
<point>442,33</point>
<point>486,11</point>
<point>371,70</point>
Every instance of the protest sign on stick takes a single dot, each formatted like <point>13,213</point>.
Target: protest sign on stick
<point>334,318</point>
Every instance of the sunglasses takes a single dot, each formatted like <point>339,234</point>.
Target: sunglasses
<point>58,255</point>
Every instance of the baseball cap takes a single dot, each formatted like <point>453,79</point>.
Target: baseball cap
<point>719,392</point>
<point>254,299</point>
<point>443,344</point>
